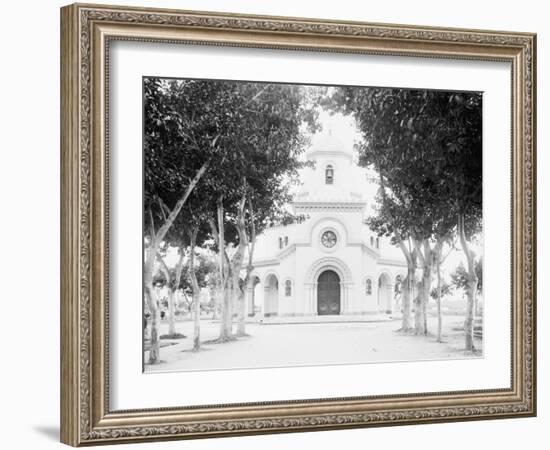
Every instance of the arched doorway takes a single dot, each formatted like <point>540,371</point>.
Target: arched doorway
<point>271,296</point>
<point>385,291</point>
<point>328,293</point>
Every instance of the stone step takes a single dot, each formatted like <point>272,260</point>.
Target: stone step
<point>357,318</point>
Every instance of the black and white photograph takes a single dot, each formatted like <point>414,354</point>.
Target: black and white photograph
<point>300,225</point>
<point>243,225</point>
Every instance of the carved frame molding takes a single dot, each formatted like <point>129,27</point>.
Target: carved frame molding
<point>86,31</point>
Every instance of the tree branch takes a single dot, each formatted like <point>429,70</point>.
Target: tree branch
<point>151,224</point>
<point>252,239</point>
<point>400,243</point>
<point>216,235</point>
<point>452,247</point>
<point>179,268</point>
<point>260,92</point>
<point>419,253</point>
<point>179,205</point>
<point>164,268</point>
<point>161,204</point>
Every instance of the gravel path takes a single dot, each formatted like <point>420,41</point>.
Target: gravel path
<point>286,345</point>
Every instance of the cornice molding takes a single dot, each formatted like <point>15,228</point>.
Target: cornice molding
<point>329,205</point>
<point>392,262</point>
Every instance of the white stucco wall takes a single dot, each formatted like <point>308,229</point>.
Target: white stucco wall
<point>296,253</point>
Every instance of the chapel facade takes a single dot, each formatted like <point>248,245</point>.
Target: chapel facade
<point>331,263</point>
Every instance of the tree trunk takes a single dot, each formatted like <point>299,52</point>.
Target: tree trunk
<point>439,316</point>
<point>241,311</point>
<point>235,280</point>
<point>215,296</point>
<point>226,328</point>
<point>407,285</point>
<point>439,259</point>
<point>146,328</point>
<point>421,303</point>
<point>196,293</point>
<point>426,258</point>
<point>154,351</point>
<point>225,290</point>
<point>174,293</point>
<point>241,302</point>
<point>152,302</point>
<point>418,319</point>
<point>233,292</point>
<point>244,243</point>
<point>411,264</point>
<point>469,321</point>
<point>426,284</point>
<point>428,274</point>
<point>172,313</point>
<point>471,287</point>
<point>187,302</point>
<point>172,284</point>
<point>156,239</point>
<point>231,269</point>
<point>197,322</point>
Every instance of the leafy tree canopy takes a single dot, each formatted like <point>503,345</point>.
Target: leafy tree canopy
<point>426,147</point>
<point>252,133</point>
<point>460,276</point>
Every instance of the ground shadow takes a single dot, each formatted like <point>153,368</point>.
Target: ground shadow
<point>50,431</point>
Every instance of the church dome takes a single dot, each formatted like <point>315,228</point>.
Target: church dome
<point>326,143</point>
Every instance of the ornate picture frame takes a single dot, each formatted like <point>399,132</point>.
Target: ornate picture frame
<point>86,34</point>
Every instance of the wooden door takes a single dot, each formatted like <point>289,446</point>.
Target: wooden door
<point>328,293</point>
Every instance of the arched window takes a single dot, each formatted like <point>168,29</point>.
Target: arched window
<point>288,288</point>
<point>280,242</point>
<point>377,242</point>
<point>286,241</point>
<point>368,287</point>
<point>371,241</point>
<point>329,175</point>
